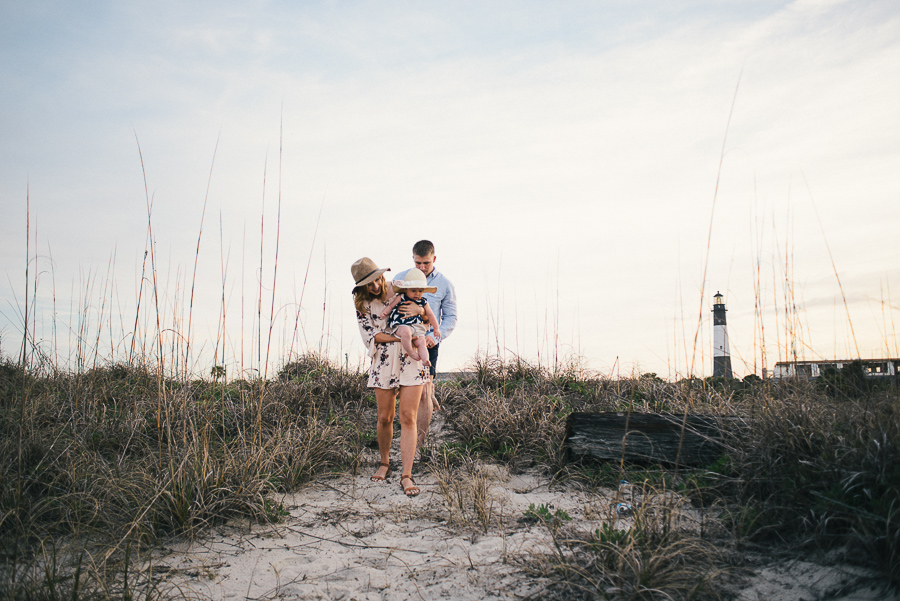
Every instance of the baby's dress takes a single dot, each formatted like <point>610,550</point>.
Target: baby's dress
<point>396,318</point>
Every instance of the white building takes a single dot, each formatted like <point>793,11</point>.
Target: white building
<point>810,370</point>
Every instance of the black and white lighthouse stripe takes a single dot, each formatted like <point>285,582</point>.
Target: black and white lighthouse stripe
<point>721,352</point>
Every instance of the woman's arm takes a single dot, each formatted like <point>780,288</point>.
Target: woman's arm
<point>372,332</point>
<point>367,329</point>
<point>382,338</point>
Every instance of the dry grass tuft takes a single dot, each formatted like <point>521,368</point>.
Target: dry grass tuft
<point>651,555</point>
<point>466,490</point>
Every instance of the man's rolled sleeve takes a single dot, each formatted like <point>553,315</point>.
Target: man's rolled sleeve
<point>448,311</point>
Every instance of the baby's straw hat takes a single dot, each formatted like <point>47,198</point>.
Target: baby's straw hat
<point>365,271</point>
<point>414,279</point>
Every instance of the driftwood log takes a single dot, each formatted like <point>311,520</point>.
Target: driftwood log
<point>644,438</point>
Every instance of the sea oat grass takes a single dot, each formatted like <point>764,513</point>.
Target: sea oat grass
<point>113,457</point>
<point>466,487</point>
<point>516,412</point>
<point>803,465</point>
<point>651,554</point>
<point>811,468</point>
<point>57,573</point>
<point>103,456</point>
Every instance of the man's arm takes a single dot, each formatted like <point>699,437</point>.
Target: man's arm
<point>448,311</point>
<point>432,319</point>
<point>409,308</point>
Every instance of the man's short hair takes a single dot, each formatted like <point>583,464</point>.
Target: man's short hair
<point>423,248</point>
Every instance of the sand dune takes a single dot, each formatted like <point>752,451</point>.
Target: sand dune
<point>346,537</point>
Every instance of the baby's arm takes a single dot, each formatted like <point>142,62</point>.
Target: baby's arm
<point>433,321</point>
<point>391,305</point>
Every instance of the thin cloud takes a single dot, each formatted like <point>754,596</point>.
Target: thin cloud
<point>568,154</point>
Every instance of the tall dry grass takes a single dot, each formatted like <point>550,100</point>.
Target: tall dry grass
<point>83,457</point>
<point>806,465</point>
<point>90,479</point>
<point>651,555</point>
<point>516,411</point>
<point>819,471</point>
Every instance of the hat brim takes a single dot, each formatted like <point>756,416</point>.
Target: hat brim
<point>401,288</point>
<point>370,278</point>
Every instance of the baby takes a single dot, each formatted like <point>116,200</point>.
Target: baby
<point>411,330</point>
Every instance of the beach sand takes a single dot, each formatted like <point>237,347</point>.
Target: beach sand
<point>345,537</point>
<point>349,538</point>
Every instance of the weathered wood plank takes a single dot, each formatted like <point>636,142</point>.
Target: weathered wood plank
<point>648,438</point>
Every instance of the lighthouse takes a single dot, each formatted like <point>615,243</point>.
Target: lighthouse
<point>721,352</point>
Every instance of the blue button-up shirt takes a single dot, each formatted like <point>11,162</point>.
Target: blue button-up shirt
<point>442,302</point>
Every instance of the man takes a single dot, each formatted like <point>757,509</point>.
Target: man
<point>443,303</point>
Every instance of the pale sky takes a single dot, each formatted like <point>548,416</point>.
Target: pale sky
<point>564,160</point>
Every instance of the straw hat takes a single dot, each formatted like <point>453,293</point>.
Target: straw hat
<point>365,271</point>
<point>414,279</point>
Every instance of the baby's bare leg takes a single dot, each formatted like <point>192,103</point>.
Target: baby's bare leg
<point>419,341</point>
<point>404,333</point>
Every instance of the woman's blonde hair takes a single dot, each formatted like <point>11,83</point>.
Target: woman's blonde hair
<point>361,295</point>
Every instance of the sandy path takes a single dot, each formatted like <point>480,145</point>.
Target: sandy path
<point>353,539</point>
<point>349,538</point>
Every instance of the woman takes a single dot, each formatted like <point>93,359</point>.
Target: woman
<point>392,373</point>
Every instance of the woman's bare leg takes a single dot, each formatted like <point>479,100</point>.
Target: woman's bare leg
<point>384,429</point>
<point>409,409</point>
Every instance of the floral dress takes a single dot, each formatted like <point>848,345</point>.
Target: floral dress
<point>391,367</point>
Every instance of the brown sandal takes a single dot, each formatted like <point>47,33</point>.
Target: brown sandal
<point>376,478</point>
<point>409,491</point>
